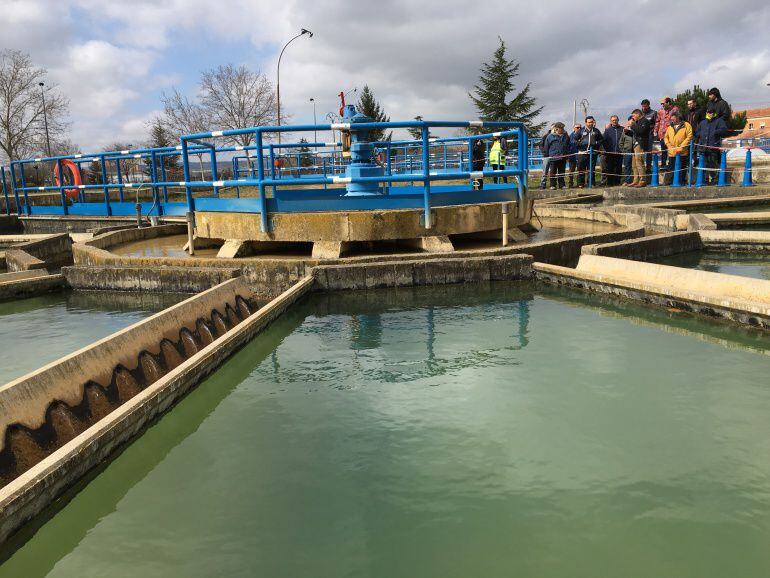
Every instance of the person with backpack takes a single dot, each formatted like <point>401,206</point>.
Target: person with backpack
<point>557,146</point>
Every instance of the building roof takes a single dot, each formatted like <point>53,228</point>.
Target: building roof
<point>756,132</point>
<point>755,112</point>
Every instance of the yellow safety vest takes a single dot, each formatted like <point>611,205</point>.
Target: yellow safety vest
<point>496,156</point>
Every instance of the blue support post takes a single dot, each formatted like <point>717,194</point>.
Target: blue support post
<point>15,191</point>
<point>61,188</point>
<point>426,175</point>
<point>389,167</point>
<point>701,167</point>
<point>676,181</point>
<point>119,177</point>
<point>323,164</point>
<point>103,164</point>
<point>689,163</point>
<point>154,177</point>
<point>163,177</point>
<point>272,165</point>
<point>186,175</point>
<point>444,156</point>
<point>470,163</point>
<point>655,178</point>
<point>5,191</point>
<point>23,179</point>
<point>524,160</point>
<point>261,178</point>
<point>747,172</point>
<point>722,181</point>
<point>213,163</point>
<point>590,167</point>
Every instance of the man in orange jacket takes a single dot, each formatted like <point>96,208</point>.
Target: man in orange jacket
<point>677,139</point>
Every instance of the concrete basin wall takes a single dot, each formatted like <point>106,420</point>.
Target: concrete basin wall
<point>32,491</point>
<point>25,400</point>
<point>740,299</point>
<point>650,247</point>
<point>52,251</point>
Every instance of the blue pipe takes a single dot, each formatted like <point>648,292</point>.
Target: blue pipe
<point>107,207</point>
<point>655,178</point>
<point>23,179</point>
<point>590,167</point>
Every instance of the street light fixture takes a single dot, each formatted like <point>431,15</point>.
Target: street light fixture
<point>278,75</point>
<point>45,119</point>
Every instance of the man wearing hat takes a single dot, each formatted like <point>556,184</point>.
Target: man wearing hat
<point>667,108</point>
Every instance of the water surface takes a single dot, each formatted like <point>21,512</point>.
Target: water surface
<point>753,265</point>
<point>38,330</point>
<point>485,430</point>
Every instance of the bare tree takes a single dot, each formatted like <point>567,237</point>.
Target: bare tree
<point>182,116</point>
<point>237,98</point>
<point>22,129</point>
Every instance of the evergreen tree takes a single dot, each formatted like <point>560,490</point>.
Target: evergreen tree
<point>305,155</point>
<point>736,122</point>
<point>160,137</point>
<point>416,132</point>
<point>495,84</point>
<point>369,106</point>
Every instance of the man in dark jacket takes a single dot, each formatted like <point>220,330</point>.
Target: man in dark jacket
<point>708,137</point>
<point>588,140</point>
<point>557,146</point>
<point>639,128</point>
<point>695,114</point>
<point>612,165</point>
<point>479,158</point>
<point>572,159</point>
<point>651,115</point>
<point>719,106</point>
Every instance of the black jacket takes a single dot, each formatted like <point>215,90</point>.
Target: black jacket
<point>640,130</point>
<point>612,136</point>
<point>721,108</point>
<point>479,155</point>
<point>695,116</point>
<point>710,132</point>
<point>556,145</point>
<point>587,138</point>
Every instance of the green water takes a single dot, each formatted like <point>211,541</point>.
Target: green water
<point>746,265</point>
<point>453,432</point>
<point>39,330</point>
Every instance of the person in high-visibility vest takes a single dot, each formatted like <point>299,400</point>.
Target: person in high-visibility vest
<point>497,158</point>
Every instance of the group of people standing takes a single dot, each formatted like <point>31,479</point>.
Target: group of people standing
<point>623,152</point>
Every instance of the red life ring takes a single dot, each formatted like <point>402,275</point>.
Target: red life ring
<point>68,165</point>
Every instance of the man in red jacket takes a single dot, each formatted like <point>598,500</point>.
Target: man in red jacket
<point>667,108</point>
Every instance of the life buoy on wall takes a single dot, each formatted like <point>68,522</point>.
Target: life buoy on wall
<point>74,171</point>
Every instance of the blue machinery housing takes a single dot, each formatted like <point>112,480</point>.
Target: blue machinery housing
<point>376,175</point>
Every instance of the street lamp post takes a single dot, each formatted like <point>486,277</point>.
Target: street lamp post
<point>315,135</point>
<point>278,75</point>
<point>45,120</point>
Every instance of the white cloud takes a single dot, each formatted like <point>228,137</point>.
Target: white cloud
<point>113,58</point>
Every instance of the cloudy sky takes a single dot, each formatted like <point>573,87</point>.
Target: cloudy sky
<point>113,58</point>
